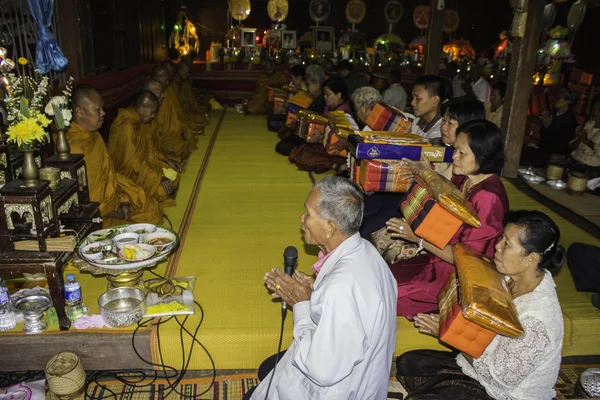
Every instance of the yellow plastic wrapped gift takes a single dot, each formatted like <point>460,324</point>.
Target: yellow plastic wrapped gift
<point>385,137</point>
<point>340,125</point>
<point>484,295</point>
<point>447,195</point>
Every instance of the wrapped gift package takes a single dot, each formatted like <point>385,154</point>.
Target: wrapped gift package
<point>476,306</point>
<point>299,101</point>
<point>363,150</point>
<point>310,124</point>
<point>380,175</point>
<point>383,176</point>
<point>340,125</point>
<point>448,196</point>
<point>386,118</point>
<point>455,329</point>
<point>426,217</point>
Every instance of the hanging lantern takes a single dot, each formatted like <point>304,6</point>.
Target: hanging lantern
<point>184,37</point>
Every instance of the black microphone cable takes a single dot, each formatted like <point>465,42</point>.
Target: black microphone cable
<point>283,314</point>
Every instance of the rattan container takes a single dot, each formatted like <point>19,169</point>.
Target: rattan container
<point>577,183</point>
<point>554,172</point>
<point>65,376</point>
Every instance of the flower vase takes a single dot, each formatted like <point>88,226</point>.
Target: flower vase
<point>31,172</point>
<point>62,145</point>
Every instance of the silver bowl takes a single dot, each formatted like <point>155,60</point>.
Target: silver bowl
<point>122,307</point>
<point>33,307</point>
<point>557,184</point>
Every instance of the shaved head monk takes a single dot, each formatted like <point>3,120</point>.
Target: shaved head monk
<point>121,200</point>
<point>134,155</point>
<point>172,135</point>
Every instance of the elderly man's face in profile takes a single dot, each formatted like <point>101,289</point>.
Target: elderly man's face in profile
<point>314,228</point>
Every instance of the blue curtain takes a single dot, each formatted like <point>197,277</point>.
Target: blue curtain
<point>49,57</point>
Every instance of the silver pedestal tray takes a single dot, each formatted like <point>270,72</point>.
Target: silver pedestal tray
<point>33,307</point>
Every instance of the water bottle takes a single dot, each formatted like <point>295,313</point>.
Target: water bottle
<point>73,301</point>
<point>8,319</point>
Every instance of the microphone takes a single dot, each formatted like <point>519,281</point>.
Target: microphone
<point>290,256</point>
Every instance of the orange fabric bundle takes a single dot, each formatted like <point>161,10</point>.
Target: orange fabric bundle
<point>476,306</point>
<point>455,329</point>
<point>301,99</point>
<point>340,126</point>
<point>386,118</point>
<point>448,196</point>
<point>310,125</point>
<point>384,176</point>
<point>427,218</point>
<point>485,297</point>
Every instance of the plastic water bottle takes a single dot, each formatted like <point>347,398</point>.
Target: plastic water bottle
<point>8,319</point>
<point>73,301</point>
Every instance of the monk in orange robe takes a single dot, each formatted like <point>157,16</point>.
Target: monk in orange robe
<point>171,135</point>
<point>187,97</point>
<point>121,200</point>
<point>270,78</point>
<point>131,153</point>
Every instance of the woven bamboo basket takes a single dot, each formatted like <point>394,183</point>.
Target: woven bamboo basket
<point>66,377</point>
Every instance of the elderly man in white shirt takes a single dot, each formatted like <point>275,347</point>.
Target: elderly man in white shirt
<point>344,320</point>
<point>480,87</point>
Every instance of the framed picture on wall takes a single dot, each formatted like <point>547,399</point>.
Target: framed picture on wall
<point>323,39</point>
<point>248,38</point>
<point>288,39</point>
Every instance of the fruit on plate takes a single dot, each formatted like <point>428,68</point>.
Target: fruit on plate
<point>136,252</point>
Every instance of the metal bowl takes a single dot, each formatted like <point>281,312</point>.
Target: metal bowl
<point>533,178</point>
<point>557,184</point>
<point>122,307</point>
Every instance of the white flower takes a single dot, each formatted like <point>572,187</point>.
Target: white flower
<point>67,116</point>
<point>58,101</point>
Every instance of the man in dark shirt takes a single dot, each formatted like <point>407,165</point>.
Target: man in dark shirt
<point>354,79</point>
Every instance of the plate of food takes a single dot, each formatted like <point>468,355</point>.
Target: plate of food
<point>97,250</point>
<point>140,229</point>
<point>137,252</point>
<point>160,240</point>
<point>114,259</point>
<point>102,234</point>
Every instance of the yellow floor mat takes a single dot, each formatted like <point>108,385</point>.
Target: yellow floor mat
<point>247,212</point>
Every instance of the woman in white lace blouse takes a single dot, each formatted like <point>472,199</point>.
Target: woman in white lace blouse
<point>511,369</point>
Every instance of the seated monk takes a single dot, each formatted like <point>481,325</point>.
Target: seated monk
<point>173,100</point>
<point>150,134</point>
<point>130,152</point>
<point>121,200</point>
<point>271,78</point>
<point>187,96</point>
<point>170,134</point>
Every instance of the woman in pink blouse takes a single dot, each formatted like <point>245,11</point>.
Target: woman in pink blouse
<point>478,159</point>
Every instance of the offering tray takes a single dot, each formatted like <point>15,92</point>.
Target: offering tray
<point>119,263</point>
<point>122,273</point>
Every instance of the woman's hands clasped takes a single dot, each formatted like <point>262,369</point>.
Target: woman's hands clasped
<point>428,324</point>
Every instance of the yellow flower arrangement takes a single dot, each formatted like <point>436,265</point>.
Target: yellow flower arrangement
<point>28,130</point>
<point>22,60</point>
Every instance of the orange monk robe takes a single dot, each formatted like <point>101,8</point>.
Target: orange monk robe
<point>132,156</point>
<point>256,104</point>
<point>166,133</point>
<point>170,101</point>
<point>170,98</point>
<point>106,186</point>
<point>189,103</point>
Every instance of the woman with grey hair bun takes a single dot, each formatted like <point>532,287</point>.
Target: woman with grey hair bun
<point>364,100</point>
<point>344,318</point>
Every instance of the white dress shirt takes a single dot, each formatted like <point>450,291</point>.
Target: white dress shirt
<point>482,90</point>
<point>429,131</point>
<point>395,96</point>
<point>527,367</point>
<point>344,337</point>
